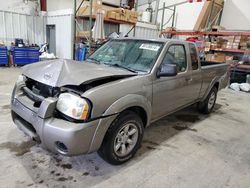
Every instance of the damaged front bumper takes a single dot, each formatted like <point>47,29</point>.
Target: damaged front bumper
<point>56,135</point>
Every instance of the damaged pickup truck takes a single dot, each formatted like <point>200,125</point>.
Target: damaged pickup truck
<point>105,103</point>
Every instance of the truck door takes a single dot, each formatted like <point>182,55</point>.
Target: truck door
<point>196,80</point>
<point>171,93</point>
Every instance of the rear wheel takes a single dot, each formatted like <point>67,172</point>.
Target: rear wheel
<point>123,138</point>
<point>207,105</point>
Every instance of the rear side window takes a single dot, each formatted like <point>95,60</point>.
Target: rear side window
<point>194,56</point>
<point>176,55</point>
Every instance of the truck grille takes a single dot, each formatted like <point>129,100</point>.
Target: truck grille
<point>37,91</point>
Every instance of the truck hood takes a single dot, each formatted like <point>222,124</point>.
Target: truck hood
<point>62,72</point>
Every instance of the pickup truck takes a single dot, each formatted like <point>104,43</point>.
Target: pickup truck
<point>105,103</point>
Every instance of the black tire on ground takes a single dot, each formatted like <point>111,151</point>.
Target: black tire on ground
<point>207,105</point>
<point>118,134</point>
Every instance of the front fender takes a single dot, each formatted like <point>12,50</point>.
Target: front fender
<point>130,100</point>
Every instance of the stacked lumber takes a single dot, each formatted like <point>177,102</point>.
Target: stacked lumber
<point>202,21</point>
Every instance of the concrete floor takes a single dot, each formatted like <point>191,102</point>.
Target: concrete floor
<point>185,149</point>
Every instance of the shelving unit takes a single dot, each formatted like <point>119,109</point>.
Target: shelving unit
<point>238,71</point>
<point>199,33</point>
<point>231,50</point>
<point>85,23</point>
<point>107,20</point>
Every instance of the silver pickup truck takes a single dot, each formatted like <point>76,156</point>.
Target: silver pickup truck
<point>105,103</point>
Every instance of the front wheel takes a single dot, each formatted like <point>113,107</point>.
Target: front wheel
<point>122,139</point>
<point>208,104</point>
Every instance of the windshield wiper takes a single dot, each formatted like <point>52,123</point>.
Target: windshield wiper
<point>120,66</point>
<point>93,59</point>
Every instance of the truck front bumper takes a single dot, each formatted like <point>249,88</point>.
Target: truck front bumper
<point>56,135</point>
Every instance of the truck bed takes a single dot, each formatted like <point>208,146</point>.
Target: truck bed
<point>212,72</point>
<point>208,63</point>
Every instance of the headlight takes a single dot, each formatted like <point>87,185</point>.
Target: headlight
<point>73,106</point>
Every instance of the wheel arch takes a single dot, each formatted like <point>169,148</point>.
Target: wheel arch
<point>136,103</point>
<point>214,83</point>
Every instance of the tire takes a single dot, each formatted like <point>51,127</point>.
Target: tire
<point>122,134</point>
<point>207,105</point>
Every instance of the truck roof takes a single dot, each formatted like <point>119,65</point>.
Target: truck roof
<point>152,39</point>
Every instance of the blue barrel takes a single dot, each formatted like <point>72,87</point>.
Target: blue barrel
<point>81,54</point>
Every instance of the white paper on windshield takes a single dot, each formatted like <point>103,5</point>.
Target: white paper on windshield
<point>151,47</point>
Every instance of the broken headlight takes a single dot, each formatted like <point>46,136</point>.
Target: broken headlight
<point>73,106</point>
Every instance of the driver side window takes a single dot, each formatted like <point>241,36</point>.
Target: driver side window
<point>176,54</point>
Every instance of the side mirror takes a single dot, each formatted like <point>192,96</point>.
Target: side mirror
<point>167,70</point>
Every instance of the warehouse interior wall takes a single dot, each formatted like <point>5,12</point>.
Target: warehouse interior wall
<point>69,4</point>
<point>32,29</point>
<point>20,6</point>
<point>236,15</point>
<point>64,24</point>
<point>15,25</point>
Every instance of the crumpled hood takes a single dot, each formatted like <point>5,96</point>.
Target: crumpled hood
<point>62,72</point>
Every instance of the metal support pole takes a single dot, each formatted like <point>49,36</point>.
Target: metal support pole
<point>176,4</point>
<point>162,17</point>
<point>90,23</point>
<point>173,16</point>
<point>136,6</point>
<point>74,30</point>
<point>156,11</point>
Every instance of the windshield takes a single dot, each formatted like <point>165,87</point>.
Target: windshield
<point>133,55</point>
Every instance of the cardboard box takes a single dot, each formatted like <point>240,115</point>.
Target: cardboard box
<point>243,44</point>
<point>243,48</point>
<point>230,38</point>
<point>85,10</point>
<point>236,41</point>
<point>111,15</point>
<point>123,15</point>
<point>216,57</point>
<point>235,47</point>
<point>97,3</point>
<point>83,34</point>
<point>117,16</point>
<point>229,59</point>
<point>207,46</point>
<point>237,38</point>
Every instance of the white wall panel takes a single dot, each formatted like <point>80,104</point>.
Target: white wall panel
<point>142,30</point>
<point>19,6</point>
<point>63,21</point>
<point>27,27</point>
<point>236,15</point>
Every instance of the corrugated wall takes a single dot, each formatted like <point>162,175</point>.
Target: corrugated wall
<point>63,22</point>
<point>15,25</point>
<point>142,30</point>
<point>32,29</point>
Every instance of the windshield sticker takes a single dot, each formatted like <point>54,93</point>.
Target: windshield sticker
<point>151,47</point>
